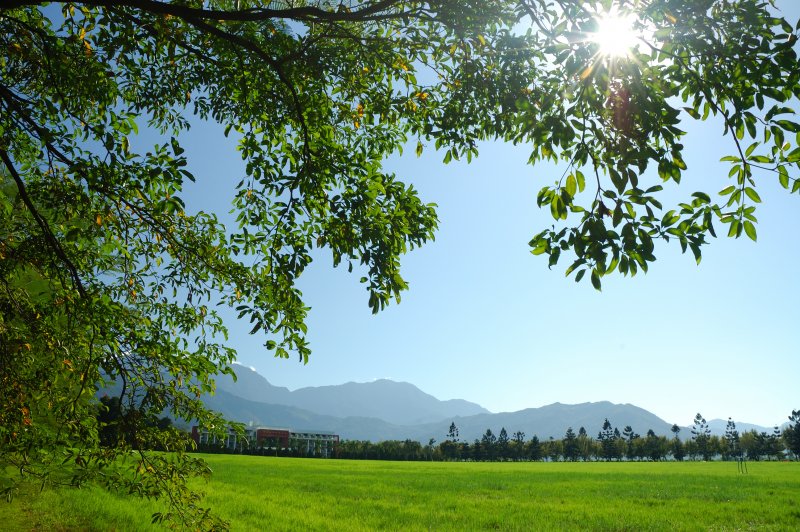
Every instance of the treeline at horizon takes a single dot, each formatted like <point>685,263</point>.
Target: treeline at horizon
<point>610,444</point>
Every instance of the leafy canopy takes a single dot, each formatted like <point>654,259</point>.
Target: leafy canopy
<point>108,276</point>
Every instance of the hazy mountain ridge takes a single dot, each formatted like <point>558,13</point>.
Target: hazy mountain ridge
<point>398,403</point>
<point>297,419</point>
<point>554,420</point>
<point>545,422</point>
<point>718,426</point>
<point>387,410</point>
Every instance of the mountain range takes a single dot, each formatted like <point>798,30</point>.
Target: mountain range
<point>389,410</point>
<point>399,403</point>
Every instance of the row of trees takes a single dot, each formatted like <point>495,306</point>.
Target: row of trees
<point>610,444</point>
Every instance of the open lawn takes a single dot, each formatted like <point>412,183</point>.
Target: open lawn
<point>260,493</point>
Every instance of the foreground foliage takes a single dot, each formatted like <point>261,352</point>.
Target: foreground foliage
<point>306,494</point>
<point>106,274</point>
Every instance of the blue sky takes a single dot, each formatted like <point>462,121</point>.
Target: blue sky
<point>484,320</point>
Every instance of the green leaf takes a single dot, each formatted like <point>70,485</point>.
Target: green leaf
<point>789,126</point>
<point>751,125</point>
<point>572,185</point>
<point>783,177</point>
<point>734,230</point>
<point>616,217</point>
<point>752,194</point>
<point>579,177</point>
<point>670,218</point>
<point>176,147</point>
<point>793,156</point>
<point>750,230</point>
<point>698,256</point>
<point>540,247</point>
<point>692,112</point>
<point>618,179</point>
<point>596,281</point>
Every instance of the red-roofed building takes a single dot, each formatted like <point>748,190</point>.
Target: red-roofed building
<point>307,443</point>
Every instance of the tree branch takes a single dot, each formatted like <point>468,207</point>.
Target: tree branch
<point>258,51</point>
<point>372,12</point>
<point>46,232</point>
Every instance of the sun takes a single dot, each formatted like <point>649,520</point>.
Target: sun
<point>616,35</point>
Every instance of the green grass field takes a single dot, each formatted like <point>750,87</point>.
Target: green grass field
<point>258,493</point>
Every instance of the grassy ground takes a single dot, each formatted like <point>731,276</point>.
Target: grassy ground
<point>259,493</point>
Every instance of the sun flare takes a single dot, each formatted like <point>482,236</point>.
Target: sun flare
<point>615,35</point>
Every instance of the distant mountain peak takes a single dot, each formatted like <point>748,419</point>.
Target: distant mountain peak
<point>397,402</point>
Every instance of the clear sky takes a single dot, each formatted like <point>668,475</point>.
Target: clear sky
<point>485,320</point>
